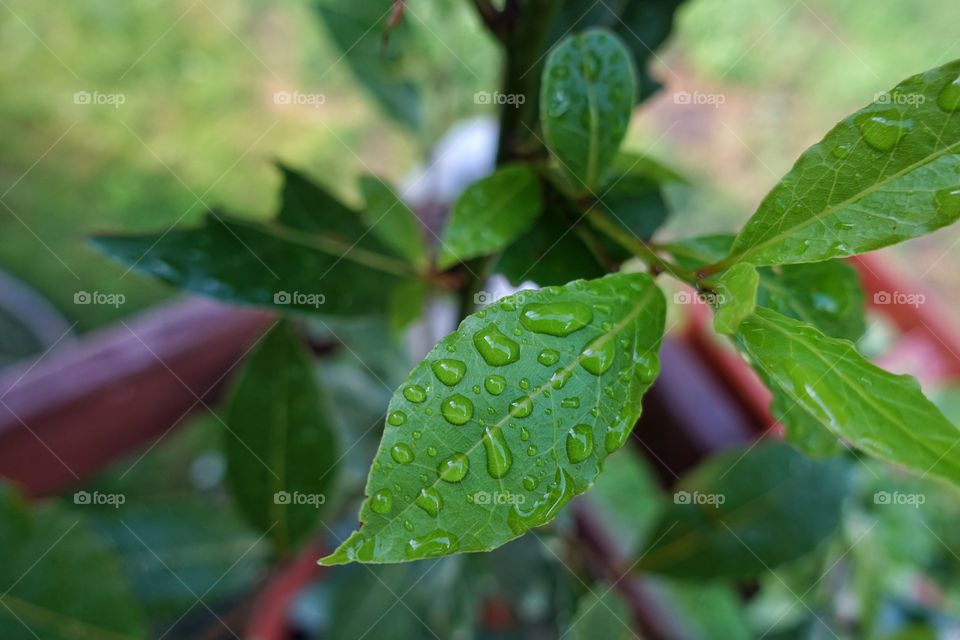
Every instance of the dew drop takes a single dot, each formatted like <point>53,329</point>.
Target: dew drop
<point>436,543</point>
<point>417,435</point>
<point>499,459</point>
<point>431,451</point>
<point>598,356</point>
<point>548,357</point>
<point>570,403</point>
<point>546,507</point>
<point>530,483</point>
<point>401,453</point>
<point>449,371</point>
<point>397,418</point>
<point>617,434</point>
<point>579,443</point>
<point>883,130</point>
<point>382,502</point>
<point>949,98</point>
<point>532,450</point>
<point>521,407</point>
<point>457,409</point>
<point>494,347</point>
<point>841,151</point>
<point>947,202</point>
<point>524,384</point>
<point>414,393</point>
<point>646,367</point>
<point>454,468</point>
<point>495,384</point>
<point>560,378</point>
<point>556,318</point>
<point>524,434</point>
<point>430,501</point>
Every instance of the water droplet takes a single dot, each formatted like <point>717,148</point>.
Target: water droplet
<point>397,418</point>
<point>401,453</point>
<point>495,384</point>
<point>556,318</point>
<point>475,388</point>
<point>558,104</point>
<point>646,367</point>
<point>360,549</point>
<point>417,435</point>
<point>457,409</point>
<point>499,458</point>
<point>530,483</point>
<point>454,468</point>
<point>560,72</point>
<point>548,357</point>
<point>949,98</point>
<point>579,443</point>
<point>841,151</point>
<point>570,403</point>
<point>598,356</point>
<point>883,130</point>
<point>532,450</point>
<point>449,371</point>
<point>617,434</point>
<point>546,507</point>
<point>496,348</point>
<point>414,393</point>
<point>524,434</point>
<point>947,202</point>
<point>436,543</point>
<point>521,407</point>
<point>524,384</point>
<point>408,525</point>
<point>560,378</point>
<point>430,501</point>
<point>382,502</point>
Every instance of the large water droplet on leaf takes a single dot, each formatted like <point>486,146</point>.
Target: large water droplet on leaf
<point>499,458</point>
<point>579,443</point>
<point>382,502</point>
<point>598,355</point>
<point>495,384</point>
<point>494,347</point>
<point>457,409</point>
<point>449,371</point>
<point>548,357</point>
<point>521,407</point>
<point>436,543</point>
<point>430,501</point>
<point>949,98</point>
<point>414,393</point>
<point>883,130</point>
<point>544,508</point>
<point>401,453</point>
<point>396,418</point>
<point>454,468</point>
<point>556,318</point>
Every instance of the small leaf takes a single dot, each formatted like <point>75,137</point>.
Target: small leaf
<point>491,214</point>
<point>508,418</point>
<point>393,222</point>
<point>280,448</point>
<point>736,297</point>
<point>888,173</point>
<point>587,96</point>
<point>602,613</point>
<point>58,580</point>
<point>883,414</point>
<point>746,511</point>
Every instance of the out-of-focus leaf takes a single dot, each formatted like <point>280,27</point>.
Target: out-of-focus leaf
<point>549,254</point>
<point>736,296</point>
<point>703,611</point>
<point>586,99</point>
<point>746,511</point>
<point>307,206</point>
<point>281,450</point>
<point>883,414</point>
<point>602,613</point>
<point>497,428</point>
<point>57,579</point>
<point>883,175</point>
<point>392,221</point>
<point>407,302</point>
<point>491,214</point>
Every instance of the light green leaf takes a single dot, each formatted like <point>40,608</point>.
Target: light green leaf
<point>703,610</point>
<point>280,448</point>
<point>393,222</point>
<point>508,418</point>
<point>57,579</point>
<point>803,430</point>
<point>884,414</point>
<point>587,95</point>
<point>491,214</point>
<point>745,511</point>
<point>602,613</point>
<point>885,174</point>
<point>736,297</point>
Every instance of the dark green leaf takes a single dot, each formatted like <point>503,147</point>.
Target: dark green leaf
<point>602,613</point>
<point>885,174</point>
<point>57,579</point>
<point>392,221</point>
<point>587,96</point>
<point>508,418</point>
<point>263,264</point>
<point>736,296</point>
<point>306,206</point>
<point>281,451</point>
<point>884,414</point>
<point>551,253</point>
<point>746,511</point>
<point>491,214</point>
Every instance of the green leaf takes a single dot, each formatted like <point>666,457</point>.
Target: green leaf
<point>393,222</point>
<point>57,579</point>
<point>803,430</point>
<point>602,613</point>
<point>549,254</point>
<point>508,418</point>
<point>267,265</point>
<point>280,448</point>
<point>736,297</point>
<point>491,214</point>
<point>407,302</point>
<point>827,294</point>
<point>703,610</point>
<point>306,206</point>
<point>587,95</point>
<point>745,511</point>
<point>884,414</point>
<point>885,174</point>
